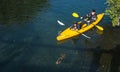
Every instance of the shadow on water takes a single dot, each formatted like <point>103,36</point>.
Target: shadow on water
<point>104,60</point>
<point>12,11</point>
<point>100,57</point>
<point>115,64</point>
<point>110,37</point>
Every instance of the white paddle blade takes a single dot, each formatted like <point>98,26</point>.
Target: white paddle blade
<point>86,36</point>
<point>60,23</point>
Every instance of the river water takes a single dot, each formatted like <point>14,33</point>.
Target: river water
<point>28,31</point>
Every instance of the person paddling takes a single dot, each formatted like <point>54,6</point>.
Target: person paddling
<point>75,26</point>
<point>89,18</point>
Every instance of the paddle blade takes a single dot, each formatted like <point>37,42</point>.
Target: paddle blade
<point>99,32</point>
<point>100,28</point>
<point>86,36</point>
<point>74,14</point>
<point>60,23</point>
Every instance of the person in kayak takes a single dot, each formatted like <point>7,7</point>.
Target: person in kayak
<point>75,26</point>
<point>89,18</point>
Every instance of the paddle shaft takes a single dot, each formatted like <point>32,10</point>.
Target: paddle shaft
<point>84,35</point>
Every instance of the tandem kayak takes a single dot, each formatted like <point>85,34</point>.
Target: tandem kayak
<point>68,33</point>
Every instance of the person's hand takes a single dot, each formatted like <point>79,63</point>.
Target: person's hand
<point>81,17</point>
<point>88,21</point>
<point>85,19</point>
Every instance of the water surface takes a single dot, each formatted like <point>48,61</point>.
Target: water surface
<point>28,31</point>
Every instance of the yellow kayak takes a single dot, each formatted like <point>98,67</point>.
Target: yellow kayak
<point>68,33</point>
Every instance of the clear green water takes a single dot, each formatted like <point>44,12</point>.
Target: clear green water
<point>28,31</point>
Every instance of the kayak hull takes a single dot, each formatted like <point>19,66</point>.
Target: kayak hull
<point>68,33</point>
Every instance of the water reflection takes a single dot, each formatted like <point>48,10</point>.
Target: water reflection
<point>110,38</point>
<point>99,32</point>
<point>12,11</point>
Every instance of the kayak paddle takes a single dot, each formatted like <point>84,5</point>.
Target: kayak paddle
<point>99,27</point>
<point>76,15</point>
<point>86,36</point>
<point>60,23</point>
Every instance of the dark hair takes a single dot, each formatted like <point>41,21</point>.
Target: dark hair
<point>93,10</point>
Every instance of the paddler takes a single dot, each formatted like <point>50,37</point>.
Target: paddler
<point>89,18</point>
<point>75,26</point>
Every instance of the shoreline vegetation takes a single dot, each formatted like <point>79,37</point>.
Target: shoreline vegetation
<point>113,11</point>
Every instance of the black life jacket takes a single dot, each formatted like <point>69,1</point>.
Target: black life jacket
<point>91,17</point>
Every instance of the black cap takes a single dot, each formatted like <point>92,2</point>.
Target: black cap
<point>93,10</point>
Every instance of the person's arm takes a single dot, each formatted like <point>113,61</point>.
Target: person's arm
<point>87,17</point>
